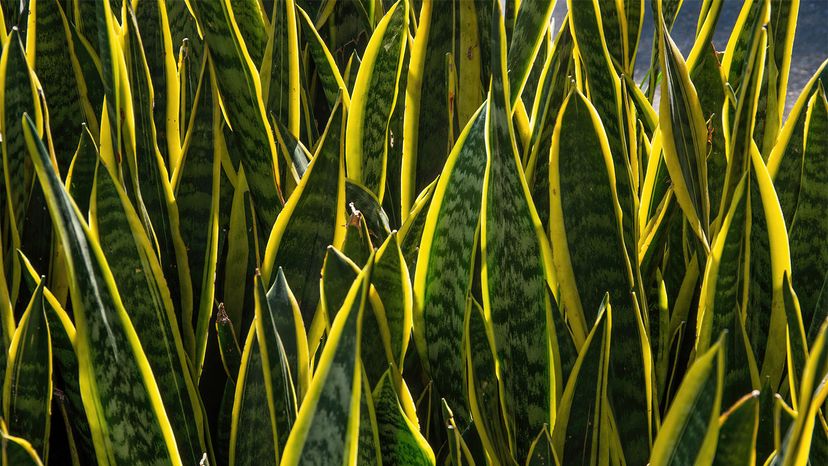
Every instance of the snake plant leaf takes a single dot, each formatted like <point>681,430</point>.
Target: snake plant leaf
<point>151,191</point>
<point>116,393</point>
<point>581,419</point>
<point>280,68</point>
<point>531,23</point>
<point>812,394</point>
<point>770,259</point>
<point>706,76</point>
<point>252,434</point>
<point>736,60</point>
<point>393,285</point>
<point>285,319</point>
<point>309,222</point>
<point>368,452</point>
<point>279,386</point>
<point>458,450</point>
<point>81,173</point>
<point>411,231</point>
<point>771,106</point>
<point>338,273</point>
<point>86,65</point>
<point>229,348</point>
<point>577,183</point>
<point>604,87</point>
<point>326,68</point>
<point>737,433</point>
<point>739,123</point>
<point>16,451</point>
<point>292,149</point>
<point>470,58</point>
<point>514,273</point>
<point>362,199</point>
<point>197,193</point>
<point>241,89</point>
<point>807,224</point>
<point>426,128</point>
<point>797,353</point>
<point>785,160</point>
<point>374,99</point>
<point>118,95</point>
<point>690,430</point>
<point>62,335</point>
<point>134,266</point>
<point>243,256</point>
<point>50,60</point>
<point>400,439</point>
<point>358,244</point>
<point>327,426</point>
<point>541,453</point>
<point>555,86</point>
<point>578,131</point>
<point>483,395</point>
<point>157,41</point>
<point>684,136</point>
<point>247,15</point>
<point>719,302</point>
<point>446,258</point>
<point>27,387</point>
<point>18,95</point>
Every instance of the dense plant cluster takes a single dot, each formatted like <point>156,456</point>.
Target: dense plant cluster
<point>324,232</point>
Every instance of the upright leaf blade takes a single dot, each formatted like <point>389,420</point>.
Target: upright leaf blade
<point>117,384</point>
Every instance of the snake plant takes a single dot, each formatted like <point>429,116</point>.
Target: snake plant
<point>411,232</point>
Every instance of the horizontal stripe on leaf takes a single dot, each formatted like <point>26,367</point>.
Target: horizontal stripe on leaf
<point>117,384</point>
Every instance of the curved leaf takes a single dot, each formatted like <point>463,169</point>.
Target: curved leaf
<point>514,272</point>
<point>27,389</point>
<point>374,99</point>
<point>137,273</point>
<point>690,429</point>
<point>445,261</point>
<point>327,426</point>
<point>400,440</point>
<point>117,383</point>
